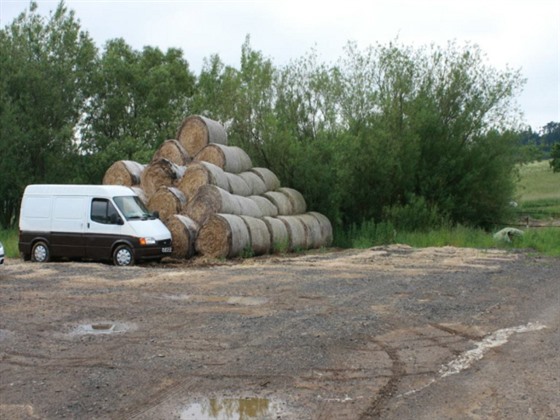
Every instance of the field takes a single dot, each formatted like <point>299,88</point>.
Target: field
<point>539,191</point>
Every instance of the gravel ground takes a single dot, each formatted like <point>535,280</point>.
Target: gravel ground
<point>388,332</point>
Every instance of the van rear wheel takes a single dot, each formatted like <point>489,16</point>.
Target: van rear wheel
<point>123,256</point>
<point>40,252</point>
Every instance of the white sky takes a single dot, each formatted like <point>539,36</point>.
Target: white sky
<point>520,33</point>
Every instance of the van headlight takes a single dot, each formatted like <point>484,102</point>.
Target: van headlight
<point>147,241</point>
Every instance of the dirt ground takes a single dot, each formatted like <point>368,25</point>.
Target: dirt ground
<point>388,332</point>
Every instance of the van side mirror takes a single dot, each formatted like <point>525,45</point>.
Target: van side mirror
<point>155,214</point>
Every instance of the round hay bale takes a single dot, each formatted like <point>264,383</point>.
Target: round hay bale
<point>230,158</point>
<point>279,239</point>
<point>313,237</point>
<point>237,185</point>
<point>140,193</point>
<point>161,173</point>
<point>173,151</point>
<point>296,198</point>
<point>281,201</point>
<point>223,236</point>
<point>255,183</point>
<point>270,180</point>
<point>198,174</point>
<point>326,228</point>
<point>259,235</point>
<point>124,172</point>
<point>210,200</point>
<point>265,205</point>
<point>247,207</point>
<point>297,239</point>
<point>167,201</point>
<point>197,132</point>
<point>184,231</point>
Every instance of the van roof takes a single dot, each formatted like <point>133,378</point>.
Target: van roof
<point>73,189</point>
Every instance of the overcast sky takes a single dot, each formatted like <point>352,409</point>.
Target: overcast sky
<point>523,34</point>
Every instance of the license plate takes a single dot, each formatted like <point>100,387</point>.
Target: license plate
<point>166,250</point>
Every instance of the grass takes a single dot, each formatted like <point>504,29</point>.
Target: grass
<point>538,191</point>
<point>9,238</point>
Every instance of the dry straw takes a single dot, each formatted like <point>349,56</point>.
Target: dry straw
<point>258,234</point>
<point>270,180</point>
<point>173,151</point>
<point>265,205</point>
<point>197,132</point>
<point>167,201</point>
<point>230,158</point>
<point>198,174</point>
<point>160,173</point>
<point>124,172</point>
<point>209,200</point>
<point>281,201</point>
<point>296,199</point>
<point>255,183</point>
<point>237,185</point>
<point>223,236</point>
<point>297,235</point>
<point>184,231</point>
<point>279,238</point>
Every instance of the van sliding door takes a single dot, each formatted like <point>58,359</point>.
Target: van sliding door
<point>68,224</point>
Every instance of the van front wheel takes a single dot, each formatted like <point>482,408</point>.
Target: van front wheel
<point>40,252</point>
<point>123,256</point>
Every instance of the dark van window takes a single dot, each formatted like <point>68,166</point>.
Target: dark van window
<point>103,211</point>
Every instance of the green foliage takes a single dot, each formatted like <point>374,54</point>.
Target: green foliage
<point>555,155</point>
<point>140,99</point>
<point>44,83</point>
<point>10,238</point>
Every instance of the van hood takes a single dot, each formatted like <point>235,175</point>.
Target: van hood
<point>150,229</point>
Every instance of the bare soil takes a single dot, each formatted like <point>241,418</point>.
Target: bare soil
<point>388,332</point>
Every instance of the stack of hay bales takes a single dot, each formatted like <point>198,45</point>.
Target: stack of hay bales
<point>214,202</point>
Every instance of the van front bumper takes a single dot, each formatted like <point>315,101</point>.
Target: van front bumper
<point>159,250</point>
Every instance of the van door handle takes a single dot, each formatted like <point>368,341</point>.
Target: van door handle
<point>88,225</point>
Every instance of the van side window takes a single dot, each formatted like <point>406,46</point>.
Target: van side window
<point>103,211</point>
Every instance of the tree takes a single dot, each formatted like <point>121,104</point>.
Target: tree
<point>139,101</point>
<point>44,83</point>
<point>555,155</point>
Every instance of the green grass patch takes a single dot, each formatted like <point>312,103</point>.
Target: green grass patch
<point>369,234</point>
<point>9,239</point>
<point>538,183</point>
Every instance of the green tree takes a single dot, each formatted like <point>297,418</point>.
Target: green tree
<point>140,98</point>
<point>555,155</point>
<point>45,81</point>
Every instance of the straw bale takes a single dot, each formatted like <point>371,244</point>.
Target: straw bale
<point>313,237</point>
<point>247,207</point>
<point>230,158</point>
<point>211,199</point>
<point>259,235</point>
<point>198,174</point>
<point>173,151</point>
<point>160,173</point>
<point>270,180</point>
<point>281,201</point>
<point>184,231</point>
<point>223,236</point>
<point>255,183</point>
<point>237,185</point>
<point>326,228</point>
<point>280,241</point>
<point>265,205</point>
<point>124,172</point>
<point>296,232</point>
<point>140,193</point>
<point>296,198</point>
<point>167,201</point>
<point>197,132</point>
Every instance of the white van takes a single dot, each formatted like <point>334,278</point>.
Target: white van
<point>100,222</point>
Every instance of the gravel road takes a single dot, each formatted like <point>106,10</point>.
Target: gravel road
<point>388,332</point>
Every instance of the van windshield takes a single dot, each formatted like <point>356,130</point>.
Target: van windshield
<point>132,208</point>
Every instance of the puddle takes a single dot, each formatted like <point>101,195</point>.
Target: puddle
<point>102,328</point>
<point>247,300</point>
<point>232,409</point>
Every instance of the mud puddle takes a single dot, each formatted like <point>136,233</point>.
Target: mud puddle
<point>232,409</point>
